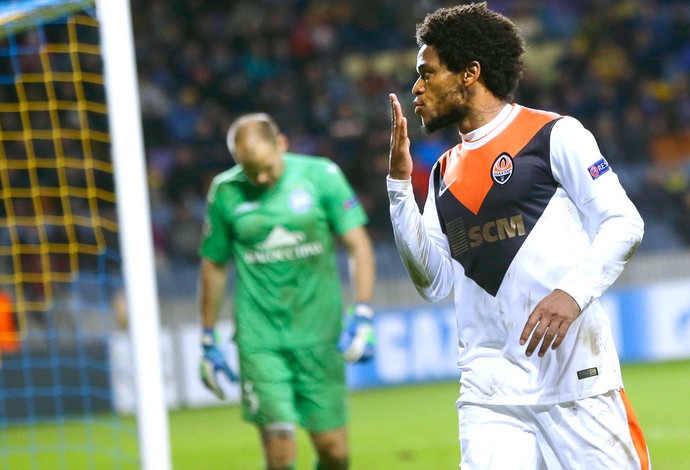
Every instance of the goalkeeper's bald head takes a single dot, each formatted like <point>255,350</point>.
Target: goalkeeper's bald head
<point>256,143</point>
<point>252,126</point>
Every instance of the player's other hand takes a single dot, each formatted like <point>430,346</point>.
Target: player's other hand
<point>357,339</point>
<point>549,322</point>
<point>212,363</point>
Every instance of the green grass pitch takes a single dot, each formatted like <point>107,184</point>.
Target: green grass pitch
<point>410,427</point>
<point>415,427</point>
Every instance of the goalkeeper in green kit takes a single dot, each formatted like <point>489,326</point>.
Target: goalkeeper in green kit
<point>277,217</point>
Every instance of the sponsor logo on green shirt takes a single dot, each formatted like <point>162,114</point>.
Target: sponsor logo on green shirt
<point>283,245</point>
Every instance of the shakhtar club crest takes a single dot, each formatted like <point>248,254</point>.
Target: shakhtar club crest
<point>502,169</point>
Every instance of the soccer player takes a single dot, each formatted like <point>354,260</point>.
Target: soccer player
<point>278,216</point>
<point>528,225</point>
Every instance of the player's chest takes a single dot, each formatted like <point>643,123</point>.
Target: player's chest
<point>293,207</point>
<point>486,182</point>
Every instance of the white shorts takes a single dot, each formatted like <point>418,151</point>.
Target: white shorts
<point>600,432</point>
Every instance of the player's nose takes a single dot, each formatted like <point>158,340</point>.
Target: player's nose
<point>418,87</point>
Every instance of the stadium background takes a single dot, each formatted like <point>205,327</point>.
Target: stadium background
<point>324,69</point>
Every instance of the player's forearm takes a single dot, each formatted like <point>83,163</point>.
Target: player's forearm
<point>212,281</point>
<point>427,264</point>
<point>361,264</point>
<point>615,243</point>
<point>605,206</point>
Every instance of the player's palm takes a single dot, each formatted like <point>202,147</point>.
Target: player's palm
<point>400,159</point>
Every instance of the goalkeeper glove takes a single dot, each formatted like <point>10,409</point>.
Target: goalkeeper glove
<point>357,340</point>
<point>213,362</point>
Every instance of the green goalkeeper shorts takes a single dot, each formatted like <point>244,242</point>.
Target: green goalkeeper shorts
<point>305,386</point>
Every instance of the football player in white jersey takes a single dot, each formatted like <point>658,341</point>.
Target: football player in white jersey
<point>528,225</point>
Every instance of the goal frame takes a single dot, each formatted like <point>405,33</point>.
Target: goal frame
<point>132,205</point>
<point>136,240</point>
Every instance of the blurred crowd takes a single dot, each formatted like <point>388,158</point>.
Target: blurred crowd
<point>324,68</point>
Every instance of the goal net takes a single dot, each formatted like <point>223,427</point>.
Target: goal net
<point>62,282</point>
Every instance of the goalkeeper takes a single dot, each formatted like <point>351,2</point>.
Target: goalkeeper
<point>278,216</point>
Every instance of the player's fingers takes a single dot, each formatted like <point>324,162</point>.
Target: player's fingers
<point>229,373</point>
<point>215,387</point>
<point>530,324</point>
<point>398,119</point>
<point>392,98</point>
<point>399,138</point>
<point>402,132</point>
<point>395,124</point>
<point>549,336</point>
<point>396,113</point>
<point>562,330</point>
<point>218,392</point>
<point>535,340</point>
<point>211,384</point>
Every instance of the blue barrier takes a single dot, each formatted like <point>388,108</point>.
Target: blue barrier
<point>649,323</point>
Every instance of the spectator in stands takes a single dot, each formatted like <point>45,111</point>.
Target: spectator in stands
<point>293,59</point>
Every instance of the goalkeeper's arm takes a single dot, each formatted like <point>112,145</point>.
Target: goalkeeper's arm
<point>362,263</point>
<point>212,281</point>
<point>357,339</point>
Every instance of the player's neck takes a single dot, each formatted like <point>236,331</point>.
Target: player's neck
<point>479,118</point>
<point>484,106</point>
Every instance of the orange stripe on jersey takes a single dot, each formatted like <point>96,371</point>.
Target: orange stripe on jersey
<point>636,433</point>
<point>468,172</point>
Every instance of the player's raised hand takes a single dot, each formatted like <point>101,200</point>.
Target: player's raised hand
<point>400,159</point>
<point>549,322</point>
<point>213,362</point>
<point>357,340</point>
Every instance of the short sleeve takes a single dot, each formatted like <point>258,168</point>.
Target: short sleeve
<point>342,205</point>
<point>216,237</point>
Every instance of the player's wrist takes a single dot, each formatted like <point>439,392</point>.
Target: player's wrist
<point>363,310</point>
<point>208,337</point>
<point>398,184</point>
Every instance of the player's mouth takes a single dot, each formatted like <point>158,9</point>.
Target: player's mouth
<point>418,107</point>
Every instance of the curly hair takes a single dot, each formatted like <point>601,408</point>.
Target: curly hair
<point>470,32</point>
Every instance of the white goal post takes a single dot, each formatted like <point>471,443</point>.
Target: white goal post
<point>70,131</point>
<point>117,42</point>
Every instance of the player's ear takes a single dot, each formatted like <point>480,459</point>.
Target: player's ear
<point>471,73</point>
<point>283,143</point>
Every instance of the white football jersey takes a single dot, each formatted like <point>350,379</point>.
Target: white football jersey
<point>524,205</point>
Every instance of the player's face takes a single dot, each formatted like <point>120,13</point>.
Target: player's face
<point>440,97</point>
<point>262,163</point>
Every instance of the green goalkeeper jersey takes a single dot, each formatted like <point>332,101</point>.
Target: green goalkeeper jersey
<point>287,290</point>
